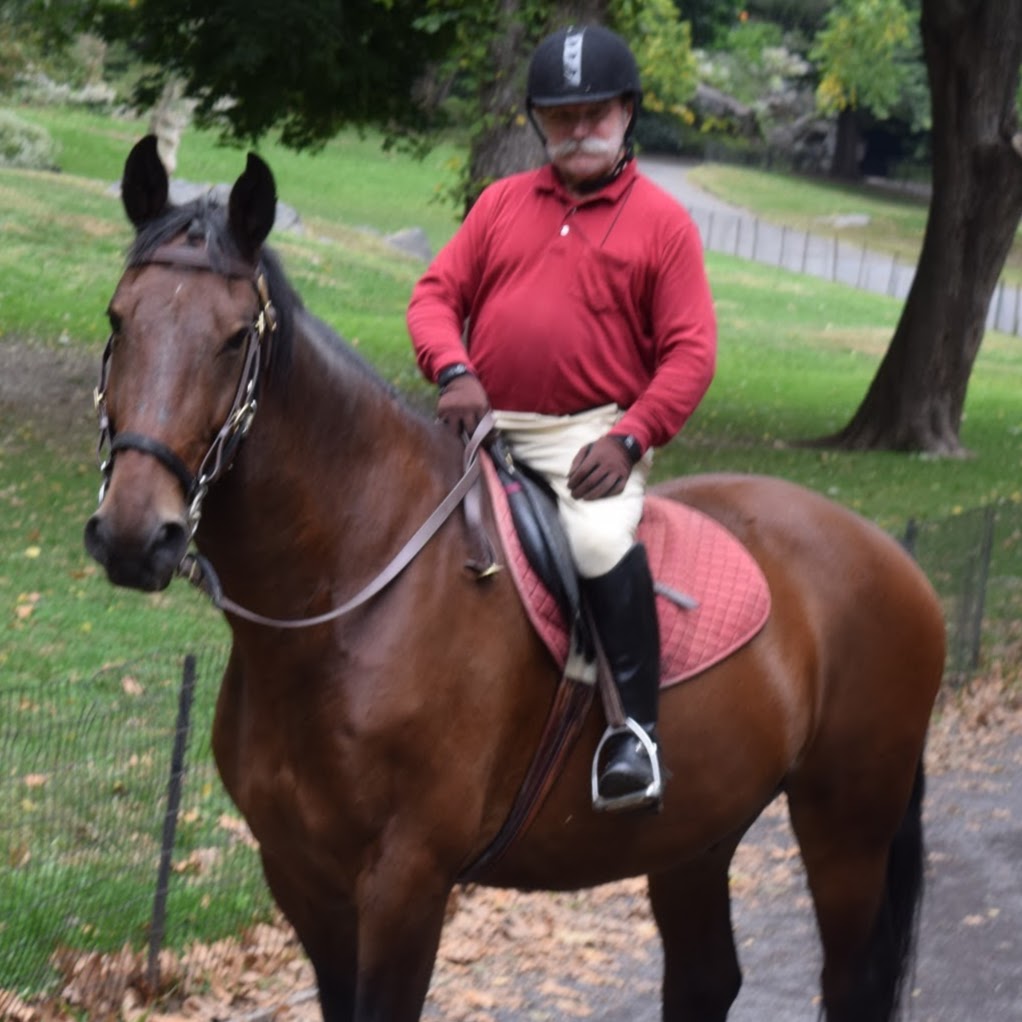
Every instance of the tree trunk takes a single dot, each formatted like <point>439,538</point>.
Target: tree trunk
<point>845,163</point>
<point>507,143</point>
<point>972,49</point>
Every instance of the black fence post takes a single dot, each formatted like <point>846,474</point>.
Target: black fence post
<point>177,770</point>
<point>911,534</point>
<point>979,608</point>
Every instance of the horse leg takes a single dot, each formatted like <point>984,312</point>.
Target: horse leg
<point>374,959</point>
<point>866,879</point>
<point>692,907</point>
<point>402,901</point>
<point>326,930</point>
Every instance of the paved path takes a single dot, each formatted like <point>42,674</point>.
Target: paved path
<point>734,231</point>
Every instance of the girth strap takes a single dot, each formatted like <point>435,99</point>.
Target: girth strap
<point>572,702</point>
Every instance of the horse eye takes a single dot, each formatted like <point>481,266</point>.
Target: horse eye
<point>236,341</point>
<point>115,322</point>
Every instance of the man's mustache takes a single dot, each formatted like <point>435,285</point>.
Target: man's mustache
<point>589,146</point>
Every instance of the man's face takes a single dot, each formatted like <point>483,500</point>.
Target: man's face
<point>585,140</point>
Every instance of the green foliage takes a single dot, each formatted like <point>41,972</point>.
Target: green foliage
<point>663,50</point>
<point>753,62</point>
<point>12,56</point>
<point>709,19</point>
<point>803,16</point>
<point>25,145</point>
<point>53,24</point>
<point>256,66</point>
<point>867,53</point>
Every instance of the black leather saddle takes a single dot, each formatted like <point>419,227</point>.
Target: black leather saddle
<point>533,506</point>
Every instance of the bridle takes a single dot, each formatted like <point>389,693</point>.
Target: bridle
<point>196,568</point>
<point>225,444</point>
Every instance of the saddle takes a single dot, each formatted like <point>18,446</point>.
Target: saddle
<point>532,505</point>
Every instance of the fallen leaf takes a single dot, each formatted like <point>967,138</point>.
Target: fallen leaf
<point>131,686</point>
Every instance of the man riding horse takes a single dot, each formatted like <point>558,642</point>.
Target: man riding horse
<point>574,301</point>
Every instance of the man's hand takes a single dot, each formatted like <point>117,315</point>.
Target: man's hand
<point>600,469</point>
<point>462,404</point>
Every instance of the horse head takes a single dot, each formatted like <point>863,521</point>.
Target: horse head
<point>179,376</point>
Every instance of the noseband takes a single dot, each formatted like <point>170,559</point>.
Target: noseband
<point>239,420</point>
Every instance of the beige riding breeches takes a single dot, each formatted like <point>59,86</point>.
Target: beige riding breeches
<point>600,532</point>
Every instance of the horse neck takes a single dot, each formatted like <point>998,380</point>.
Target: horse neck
<point>334,470</point>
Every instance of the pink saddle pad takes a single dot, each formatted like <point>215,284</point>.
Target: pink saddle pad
<point>688,552</point>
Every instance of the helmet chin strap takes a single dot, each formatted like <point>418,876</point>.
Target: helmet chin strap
<point>594,185</point>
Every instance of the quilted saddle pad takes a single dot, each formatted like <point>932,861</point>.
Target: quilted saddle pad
<point>690,553</point>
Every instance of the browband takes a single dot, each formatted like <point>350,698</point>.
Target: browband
<point>198,258</point>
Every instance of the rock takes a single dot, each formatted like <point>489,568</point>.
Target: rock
<point>413,241</point>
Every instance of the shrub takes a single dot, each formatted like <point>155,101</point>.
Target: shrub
<point>25,145</point>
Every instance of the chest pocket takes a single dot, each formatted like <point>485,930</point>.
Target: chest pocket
<point>604,282</point>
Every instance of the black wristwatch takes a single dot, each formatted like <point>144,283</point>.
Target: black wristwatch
<point>631,445</point>
<point>450,373</point>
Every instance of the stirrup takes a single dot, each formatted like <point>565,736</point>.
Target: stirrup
<point>651,795</point>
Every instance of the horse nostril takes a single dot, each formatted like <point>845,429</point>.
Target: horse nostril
<point>96,539</point>
<point>171,538</point>
<point>147,561</point>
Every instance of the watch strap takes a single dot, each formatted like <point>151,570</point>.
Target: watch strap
<point>631,446</point>
<point>451,373</point>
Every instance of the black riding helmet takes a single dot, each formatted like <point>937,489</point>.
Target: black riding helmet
<point>582,65</point>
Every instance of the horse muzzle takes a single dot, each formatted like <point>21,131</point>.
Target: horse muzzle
<point>144,558</point>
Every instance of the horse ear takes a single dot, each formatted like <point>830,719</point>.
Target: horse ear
<point>144,186</point>
<point>253,206</point>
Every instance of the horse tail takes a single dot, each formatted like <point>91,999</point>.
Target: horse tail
<point>892,950</point>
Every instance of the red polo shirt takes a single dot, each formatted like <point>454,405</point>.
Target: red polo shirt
<point>574,303</point>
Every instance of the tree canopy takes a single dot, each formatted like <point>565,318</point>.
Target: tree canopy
<point>306,69</point>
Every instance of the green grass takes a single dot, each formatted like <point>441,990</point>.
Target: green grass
<point>351,181</point>
<point>895,221</point>
<point>84,789</point>
<point>795,358</point>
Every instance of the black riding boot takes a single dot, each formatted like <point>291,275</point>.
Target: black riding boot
<point>623,607</point>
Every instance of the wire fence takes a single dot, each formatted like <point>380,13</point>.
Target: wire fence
<point>116,836</point>
<point>829,258</point>
<point>118,842</point>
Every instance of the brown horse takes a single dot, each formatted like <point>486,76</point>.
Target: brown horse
<point>377,753</point>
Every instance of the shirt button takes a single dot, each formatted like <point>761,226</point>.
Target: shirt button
<point>564,230</point>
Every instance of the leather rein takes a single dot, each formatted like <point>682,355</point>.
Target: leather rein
<point>194,566</point>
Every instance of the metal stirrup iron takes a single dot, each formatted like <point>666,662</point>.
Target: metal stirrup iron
<point>651,795</point>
